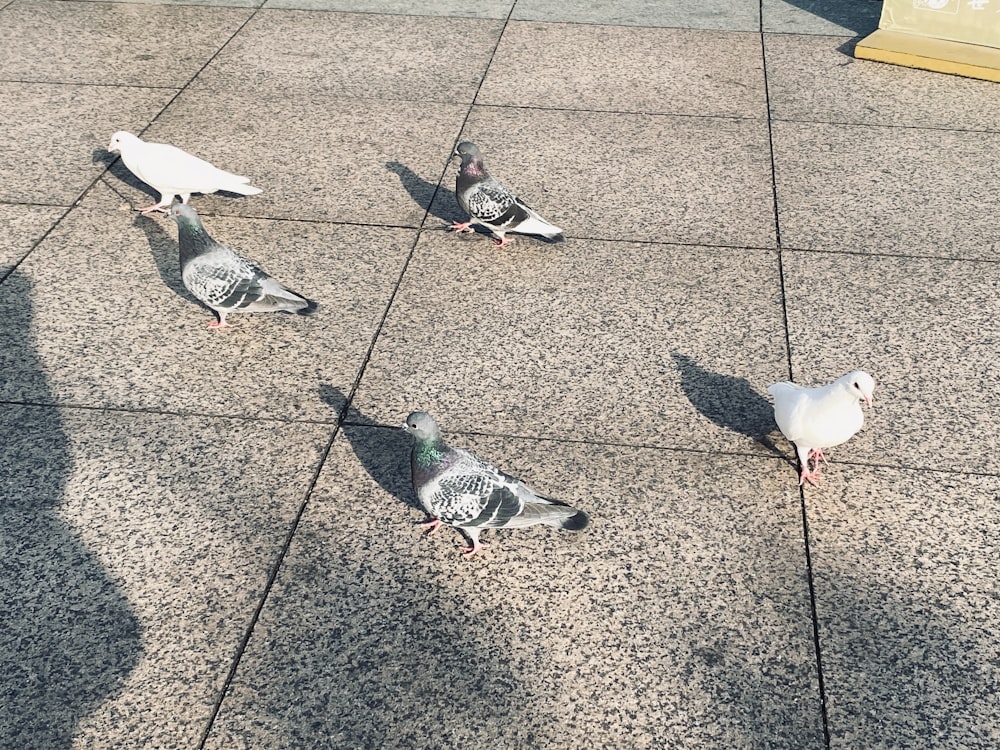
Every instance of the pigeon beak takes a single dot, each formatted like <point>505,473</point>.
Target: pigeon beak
<point>403,426</point>
<point>869,400</point>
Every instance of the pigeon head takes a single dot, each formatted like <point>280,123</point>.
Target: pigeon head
<point>422,426</point>
<point>120,138</point>
<point>861,384</point>
<point>183,213</point>
<point>468,151</point>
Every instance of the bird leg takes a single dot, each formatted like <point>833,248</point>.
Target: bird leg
<point>817,455</point>
<point>458,226</point>
<point>476,548</point>
<point>809,476</point>
<point>434,524</point>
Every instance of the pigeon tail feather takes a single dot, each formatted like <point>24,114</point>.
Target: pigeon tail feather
<point>537,225</point>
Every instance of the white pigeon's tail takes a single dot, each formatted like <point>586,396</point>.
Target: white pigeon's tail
<point>239,185</point>
<point>535,224</point>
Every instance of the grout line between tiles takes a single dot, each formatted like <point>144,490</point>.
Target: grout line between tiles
<point>272,576</point>
<point>810,580</point>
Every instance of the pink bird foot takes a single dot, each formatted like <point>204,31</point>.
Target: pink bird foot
<point>459,226</point>
<point>817,455</point>
<point>155,208</point>
<point>809,476</point>
<point>219,324</point>
<point>502,242</point>
<point>434,524</point>
<point>476,548</point>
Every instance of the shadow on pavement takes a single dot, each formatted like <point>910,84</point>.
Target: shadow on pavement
<point>68,636</point>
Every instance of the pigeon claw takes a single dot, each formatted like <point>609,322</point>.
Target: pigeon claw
<point>434,524</point>
<point>219,324</point>
<point>470,552</point>
<point>155,208</point>
<point>459,226</point>
<point>502,242</point>
<point>809,476</point>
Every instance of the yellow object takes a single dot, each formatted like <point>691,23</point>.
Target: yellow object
<point>961,37</point>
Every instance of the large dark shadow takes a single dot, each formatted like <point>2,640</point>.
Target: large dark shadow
<point>68,636</point>
<point>383,451</point>
<point>726,400</point>
<point>445,207</point>
<point>860,16</point>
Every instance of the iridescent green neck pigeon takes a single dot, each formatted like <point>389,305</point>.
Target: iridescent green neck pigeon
<point>459,489</point>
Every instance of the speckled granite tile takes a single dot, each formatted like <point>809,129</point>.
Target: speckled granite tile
<point>815,78</point>
<point>116,328</point>
<point>699,180</point>
<point>734,15</point>
<point>56,135</point>
<point>925,329</point>
<point>857,17</point>
<point>23,227</point>
<point>221,3</point>
<point>584,340</point>
<point>315,156</point>
<point>355,55</point>
<point>612,68</point>
<point>879,189</point>
<point>136,549</point>
<point>112,43</point>
<point>680,618</point>
<point>909,607</point>
<point>454,8</point>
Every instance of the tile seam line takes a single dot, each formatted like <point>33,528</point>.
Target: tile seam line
<point>804,516</point>
<point>336,422</point>
<point>272,577</point>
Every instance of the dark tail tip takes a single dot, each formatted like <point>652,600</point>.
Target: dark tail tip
<point>309,309</point>
<point>576,522</point>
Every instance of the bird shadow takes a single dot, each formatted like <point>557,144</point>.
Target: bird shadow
<point>382,450</point>
<point>444,206</point>
<point>121,173</point>
<point>728,401</point>
<point>163,248</point>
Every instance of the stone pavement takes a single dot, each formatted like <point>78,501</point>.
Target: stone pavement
<point>209,539</point>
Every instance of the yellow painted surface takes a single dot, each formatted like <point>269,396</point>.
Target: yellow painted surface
<point>941,55</point>
<point>961,37</point>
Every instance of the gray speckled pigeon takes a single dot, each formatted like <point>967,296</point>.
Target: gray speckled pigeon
<point>490,204</point>
<point>222,279</point>
<point>818,418</point>
<point>459,489</point>
<point>172,171</point>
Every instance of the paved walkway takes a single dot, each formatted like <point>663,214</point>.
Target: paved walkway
<point>209,539</point>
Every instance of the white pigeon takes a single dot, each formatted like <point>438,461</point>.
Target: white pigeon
<point>171,171</point>
<point>492,205</point>
<point>822,417</point>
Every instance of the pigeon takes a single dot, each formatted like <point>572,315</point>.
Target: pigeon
<point>490,204</point>
<point>459,489</point>
<point>224,280</point>
<point>822,417</point>
<point>171,171</point>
